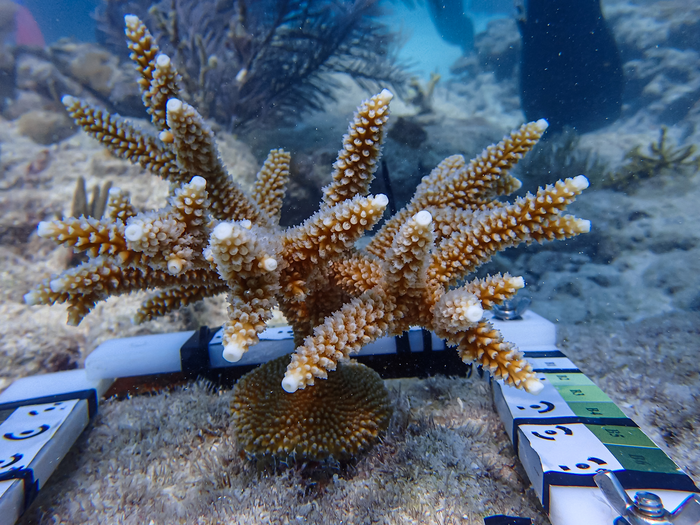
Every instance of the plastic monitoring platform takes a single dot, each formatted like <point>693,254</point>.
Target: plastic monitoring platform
<point>564,435</point>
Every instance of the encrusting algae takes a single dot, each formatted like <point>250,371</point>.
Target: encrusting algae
<point>213,238</point>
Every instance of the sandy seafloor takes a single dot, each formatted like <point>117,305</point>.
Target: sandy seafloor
<point>626,300</point>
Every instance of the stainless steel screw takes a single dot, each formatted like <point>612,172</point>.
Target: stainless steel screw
<point>649,504</point>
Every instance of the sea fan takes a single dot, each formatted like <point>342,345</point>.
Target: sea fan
<point>263,61</point>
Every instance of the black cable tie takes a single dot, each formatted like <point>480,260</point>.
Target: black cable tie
<point>194,354</point>
<point>31,485</point>
<point>403,344</point>
<point>500,519</point>
<point>90,395</point>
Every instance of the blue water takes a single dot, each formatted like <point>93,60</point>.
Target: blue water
<point>64,18</point>
<point>423,48</point>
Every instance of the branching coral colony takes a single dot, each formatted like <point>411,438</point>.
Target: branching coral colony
<point>213,238</point>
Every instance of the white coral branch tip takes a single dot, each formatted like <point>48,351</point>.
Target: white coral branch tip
<point>423,218</point>
<point>291,382</point>
<point>474,312</point>
<point>45,229</point>
<point>222,231</point>
<point>198,183</point>
<point>233,352</point>
<point>385,96</point>
<point>533,386</point>
<point>381,200</point>
<point>162,60</point>
<point>32,298</point>
<point>134,232</point>
<point>174,105</point>
<point>517,282</point>
<point>542,125</point>
<point>579,183</point>
<point>269,264</point>
<point>175,266</point>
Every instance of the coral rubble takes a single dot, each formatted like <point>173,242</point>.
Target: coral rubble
<point>213,238</point>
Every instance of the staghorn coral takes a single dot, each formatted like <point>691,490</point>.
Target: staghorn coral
<point>338,419</point>
<point>95,206</point>
<point>245,62</point>
<point>420,94</point>
<point>82,207</point>
<point>561,153</point>
<point>661,159</point>
<point>213,238</point>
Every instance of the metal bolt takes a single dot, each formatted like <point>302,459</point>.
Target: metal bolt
<point>512,309</point>
<point>649,504</point>
<point>647,508</point>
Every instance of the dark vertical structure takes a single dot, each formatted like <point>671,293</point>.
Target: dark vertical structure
<point>570,67</point>
<point>452,23</point>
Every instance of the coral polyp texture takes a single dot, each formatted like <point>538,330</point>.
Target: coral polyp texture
<point>213,238</point>
<point>339,418</point>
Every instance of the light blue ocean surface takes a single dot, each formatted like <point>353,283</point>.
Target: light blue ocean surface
<point>64,18</point>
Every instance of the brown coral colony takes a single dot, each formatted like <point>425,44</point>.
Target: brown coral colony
<point>212,238</point>
<point>339,418</point>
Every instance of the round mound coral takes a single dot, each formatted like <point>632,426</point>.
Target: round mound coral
<point>338,418</point>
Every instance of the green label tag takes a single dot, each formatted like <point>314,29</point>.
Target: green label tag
<point>583,397</point>
<point>580,393</point>
<point>644,459</point>
<point>633,449</point>
<point>567,379</point>
<point>593,409</point>
<point>615,435</point>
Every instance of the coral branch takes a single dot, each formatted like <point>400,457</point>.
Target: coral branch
<point>405,264</point>
<point>212,238</point>
<point>452,184</point>
<point>196,152</point>
<point>356,324</point>
<point>332,231</point>
<point>167,301</point>
<point>247,263</point>
<point>164,86</point>
<point>123,140</point>
<point>143,49</point>
<point>357,161</point>
<point>270,184</point>
<point>119,205</point>
<point>483,344</point>
<point>494,289</point>
<point>486,232</point>
<point>87,234</point>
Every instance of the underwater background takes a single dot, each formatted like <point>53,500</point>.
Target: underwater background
<point>625,297</point>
